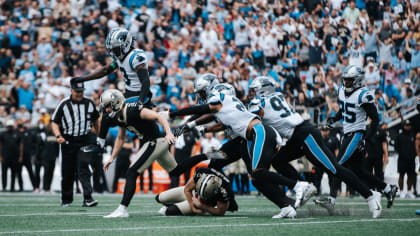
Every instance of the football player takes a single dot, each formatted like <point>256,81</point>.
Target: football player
<point>155,145</point>
<point>356,104</point>
<point>263,140</point>
<point>207,192</point>
<point>132,63</point>
<point>236,148</point>
<point>304,139</point>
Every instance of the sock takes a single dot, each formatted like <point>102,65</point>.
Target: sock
<point>122,207</point>
<point>173,210</point>
<point>332,199</point>
<point>387,188</point>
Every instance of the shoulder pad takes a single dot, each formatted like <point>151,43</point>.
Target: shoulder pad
<point>137,58</point>
<point>366,96</point>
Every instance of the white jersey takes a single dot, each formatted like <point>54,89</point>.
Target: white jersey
<point>278,114</point>
<point>128,66</point>
<point>233,114</point>
<point>354,116</point>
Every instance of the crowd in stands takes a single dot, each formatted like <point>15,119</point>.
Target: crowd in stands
<point>304,45</point>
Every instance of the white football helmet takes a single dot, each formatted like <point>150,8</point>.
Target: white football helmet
<point>204,84</point>
<point>208,186</point>
<point>225,88</point>
<point>353,78</point>
<point>263,86</point>
<point>119,42</point>
<point>113,98</point>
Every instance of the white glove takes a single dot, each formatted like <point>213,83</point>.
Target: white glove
<point>100,142</point>
<point>165,114</point>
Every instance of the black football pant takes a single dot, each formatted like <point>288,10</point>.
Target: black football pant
<point>26,162</point>
<point>307,141</point>
<point>352,156</point>
<point>12,164</point>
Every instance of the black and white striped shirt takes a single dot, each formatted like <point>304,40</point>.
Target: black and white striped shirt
<point>75,118</point>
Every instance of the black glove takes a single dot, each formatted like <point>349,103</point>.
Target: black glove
<point>330,122</point>
<point>178,131</point>
<point>76,80</point>
<point>139,105</point>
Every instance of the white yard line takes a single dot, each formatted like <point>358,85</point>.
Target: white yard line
<point>205,226</point>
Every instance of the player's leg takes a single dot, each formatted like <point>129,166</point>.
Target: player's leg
<point>140,162</point>
<point>230,149</point>
<point>278,197</point>
<point>174,202</point>
<point>171,196</point>
<point>318,153</point>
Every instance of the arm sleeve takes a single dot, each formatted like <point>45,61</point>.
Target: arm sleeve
<point>338,116</point>
<point>371,112</point>
<point>143,75</point>
<point>103,131</point>
<point>199,110</point>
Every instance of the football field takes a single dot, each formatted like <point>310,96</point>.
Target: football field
<point>37,214</point>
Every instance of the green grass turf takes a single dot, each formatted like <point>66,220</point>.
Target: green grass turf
<point>34,214</point>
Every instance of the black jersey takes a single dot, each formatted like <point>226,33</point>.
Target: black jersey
<point>225,194</point>
<point>145,130</point>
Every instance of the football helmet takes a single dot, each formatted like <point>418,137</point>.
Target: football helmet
<point>353,78</point>
<point>119,42</point>
<point>225,88</point>
<point>263,86</point>
<point>208,186</point>
<point>113,98</point>
<point>204,84</point>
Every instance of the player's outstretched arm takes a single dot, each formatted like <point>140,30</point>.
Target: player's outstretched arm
<point>199,110</point>
<point>101,72</point>
<point>119,141</point>
<point>152,115</point>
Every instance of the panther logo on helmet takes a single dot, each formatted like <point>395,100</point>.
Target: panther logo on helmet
<point>204,84</point>
<point>119,42</point>
<point>262,86</point>
<point>353,78</point>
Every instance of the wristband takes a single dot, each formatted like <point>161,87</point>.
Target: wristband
<point>191,124</point>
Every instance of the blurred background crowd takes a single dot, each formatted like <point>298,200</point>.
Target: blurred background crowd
<point>304,45</point>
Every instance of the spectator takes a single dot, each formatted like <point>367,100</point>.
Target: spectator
<point>372,76</point>
<point>404,145</point>
<point>370,41</point>
<point>26,96</point>
<point>44,50</point>
<point>391,90</point>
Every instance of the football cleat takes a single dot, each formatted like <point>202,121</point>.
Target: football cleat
<point>390,196</point>
<point>327,203</point>
<point>65,204</point>
<point>162,210</point>
<point>286,212</point>
<point>304,191</point>
<point>118,213</point>
<point>90,203</point>
<point>374,203</point>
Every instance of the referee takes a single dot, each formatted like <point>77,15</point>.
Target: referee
<point>72,122</point>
